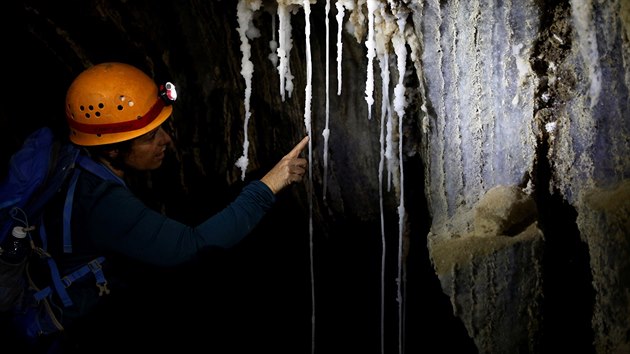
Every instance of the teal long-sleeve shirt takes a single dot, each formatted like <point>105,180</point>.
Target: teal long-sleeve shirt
<point>108,220</point>
<point>114,220</point>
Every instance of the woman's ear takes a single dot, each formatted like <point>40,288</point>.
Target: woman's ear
<point>112,154</point>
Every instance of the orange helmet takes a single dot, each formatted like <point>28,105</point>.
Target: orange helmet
<point>112,102</point>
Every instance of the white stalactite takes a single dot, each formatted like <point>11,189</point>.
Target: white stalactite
<point>400,104</point>
<point>372,5</point>
<point>246,31</point>
<point>385,112</point>
<point>273,44</point>
<point>341,5</point>
<point>307,123</point>
<point>326,132</point>
<point>284,49</point>
<point>382,36</point>
<point>340,15</point>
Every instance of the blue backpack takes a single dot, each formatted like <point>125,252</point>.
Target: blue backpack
<point>39,170</point>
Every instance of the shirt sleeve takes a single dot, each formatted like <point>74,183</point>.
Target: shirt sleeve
<point>119,222</point>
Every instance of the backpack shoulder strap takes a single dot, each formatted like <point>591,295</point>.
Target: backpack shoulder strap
<point>98,169</point>
<point>94,167</point>
<point>59,282</point>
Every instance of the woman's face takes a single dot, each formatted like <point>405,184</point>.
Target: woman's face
<point>147,151</point>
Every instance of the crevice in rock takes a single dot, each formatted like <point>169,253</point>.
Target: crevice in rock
<point>567,305</point>
<point>428,311</point>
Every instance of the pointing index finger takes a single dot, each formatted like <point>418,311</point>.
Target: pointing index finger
<point>299,147</point>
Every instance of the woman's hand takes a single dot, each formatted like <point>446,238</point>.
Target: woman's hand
<point>288,170</point>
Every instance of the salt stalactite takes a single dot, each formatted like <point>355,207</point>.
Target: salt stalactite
<point>326,132</point>
<point>342,6</point>
<point>340,15</point>
<point>382,35</point>
<point>307,124</point>
<point>309,71</point>
<point>389,150</point>
<point>400,47</point>
<point>415,44</point>
<point>273,44</point>
<point>385,112</point>
<point>246,31</point>
<point>399,106</point>
<point>284,49</point>
<point>372,5</point>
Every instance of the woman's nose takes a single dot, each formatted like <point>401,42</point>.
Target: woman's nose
<point>164,137</point>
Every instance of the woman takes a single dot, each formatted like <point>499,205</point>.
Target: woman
<point>115,111</point>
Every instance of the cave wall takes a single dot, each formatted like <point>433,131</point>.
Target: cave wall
<point>508,103</point>
<point>535,95</point>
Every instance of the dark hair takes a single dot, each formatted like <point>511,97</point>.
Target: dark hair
<point>102,151</point>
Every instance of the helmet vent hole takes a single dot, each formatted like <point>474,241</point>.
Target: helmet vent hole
<point>120,107</point>
<point>100,105</point>
<point>87,115</point>
<point>82,108</point>
<point>98,114</point>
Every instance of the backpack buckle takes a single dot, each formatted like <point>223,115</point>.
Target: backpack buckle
<point>102,288</point>
<point>97,270</point>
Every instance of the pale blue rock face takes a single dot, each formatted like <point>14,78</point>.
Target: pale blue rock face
<point>595,138</point>
<point>535,95</point>
<point>480,94</point>
<point>515,90</point>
